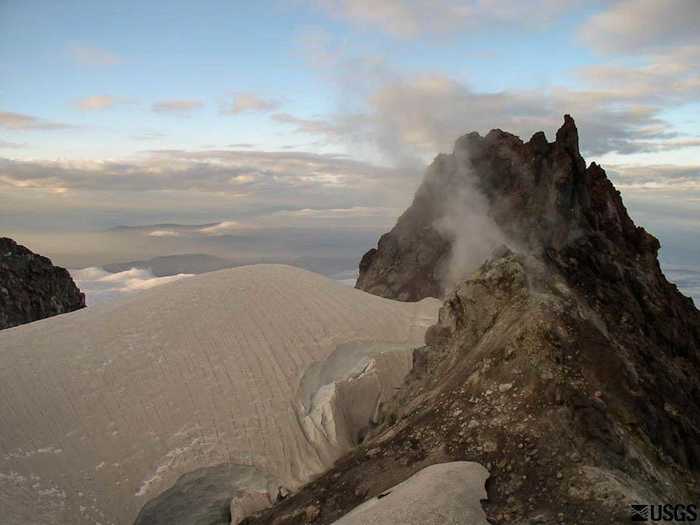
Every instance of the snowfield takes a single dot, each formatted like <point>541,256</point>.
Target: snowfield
<point>104,408</point>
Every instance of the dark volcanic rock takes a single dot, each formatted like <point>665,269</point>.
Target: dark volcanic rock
<point>32,288</point>
<point>575,417</point>
<point>408,261</point>
<point>541,195</point>
<point>569,366</point>
<point>219,495</point>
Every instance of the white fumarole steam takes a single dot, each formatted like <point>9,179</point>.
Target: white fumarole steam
<point>466,222</point>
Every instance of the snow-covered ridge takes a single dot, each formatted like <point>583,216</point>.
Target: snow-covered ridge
<point>129,395</point>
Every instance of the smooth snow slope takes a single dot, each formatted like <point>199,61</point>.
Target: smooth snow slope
<point>103,408</point>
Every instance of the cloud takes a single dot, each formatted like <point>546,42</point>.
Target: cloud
<point>687,279</point>
<point>225,228</point>
<point>340,127</point>
<point>669,178</point>
<point>149,135</point>
<point>100,102</point>
<point>240,190</point>
<point>100,286</point>
<point>20,121</point>
<point>163,233</point>
<point>336,213</point>
<point>410,18</point>
<point>11,145</point>
<point>409,117</point>
<point>93,56</point>
<point>670,144</point>
<point>177,106</point>
<point>249,102</point>
<point>634,26</point>
<point>279,175</point>
<point>666,77</point>
<point>406,118</point>
<point>275,188</point>
<point>415,117</point>
<point>381,214</point>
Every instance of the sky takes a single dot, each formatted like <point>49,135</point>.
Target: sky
<point>320,115</point>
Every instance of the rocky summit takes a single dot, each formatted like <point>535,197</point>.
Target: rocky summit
<point>565,362</point>
<point>32,288</point>
<point>536,196</point>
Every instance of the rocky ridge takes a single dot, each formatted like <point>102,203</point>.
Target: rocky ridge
<point>566,364</point>
<point>32,288</point>
<point>539,195</point>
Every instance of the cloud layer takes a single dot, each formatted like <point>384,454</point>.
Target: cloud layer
<point>100,286</point>
<point>687,279</point>
<point>631,26</point>
<point>94,56</point>
<point>20,121</point>
<point>4,144</point>
<point>409,18</point>
<point>385,111</point>
<point>99,102</point>
<point>620,106</point>
<point>238,172</point>
<point>179,106</point>
<point>250,102</point>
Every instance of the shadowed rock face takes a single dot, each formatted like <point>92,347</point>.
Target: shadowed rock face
<point>218,495</point>
<point>32,288</point>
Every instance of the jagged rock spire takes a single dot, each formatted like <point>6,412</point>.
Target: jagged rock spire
<point>539,194</point>
<point>567,135</point>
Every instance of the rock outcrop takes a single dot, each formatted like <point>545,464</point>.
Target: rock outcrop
<point>219,495</point>
<point>539,195</point>
<point>32,288</point>
<point>566,364</point>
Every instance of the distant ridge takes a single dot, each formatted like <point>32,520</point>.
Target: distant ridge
<point>175,264</point>
<point>164,225</point>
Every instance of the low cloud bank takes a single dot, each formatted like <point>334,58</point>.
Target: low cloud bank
<point>100,286</point>
<point>687,278</point>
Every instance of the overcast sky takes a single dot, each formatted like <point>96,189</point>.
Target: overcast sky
<point>322,113</point>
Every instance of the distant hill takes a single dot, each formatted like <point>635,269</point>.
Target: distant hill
<point>161,226</point>
<point>202,263</point>
<point>175,264</point>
